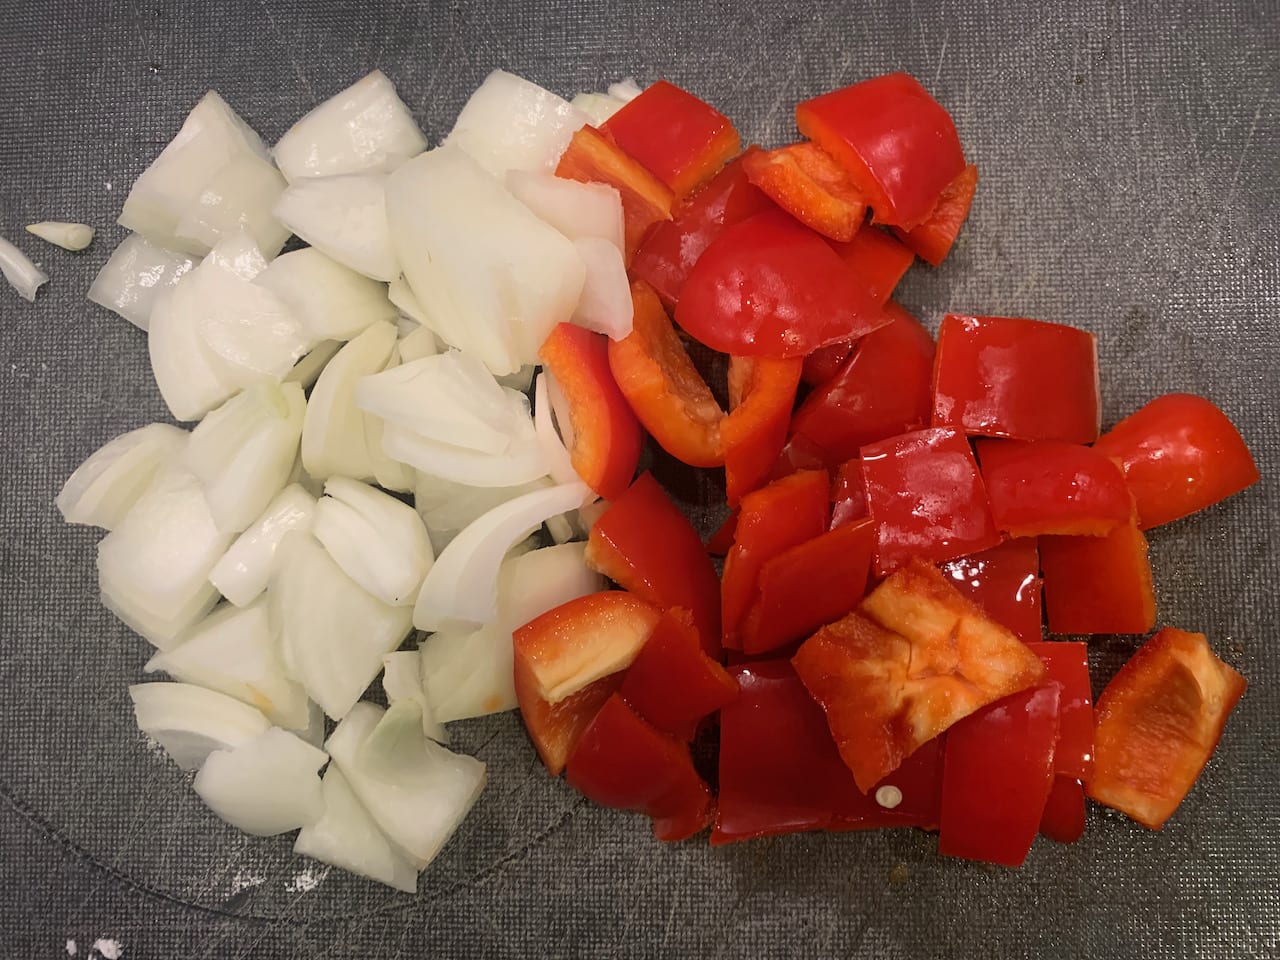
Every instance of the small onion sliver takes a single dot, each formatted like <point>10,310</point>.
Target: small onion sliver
<point>553,448</point>
<point>68,236</point>
<point>22,274</point>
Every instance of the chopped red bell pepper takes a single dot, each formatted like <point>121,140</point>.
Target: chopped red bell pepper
<point>934,238</point>
<point>916,658</point>
<point>926,496</point>
<point>1005,584</point>
<point>785,513</point>
<point>883,390</point>
<point>669,396</point>
<point>623,762</point>
<point>645,543</point>
<point>555,728</point>
<point>1158,722</point>
<point>896,142</point>
<point>672,683</point>
<point>1068,666</point>
<point>592,157</point>
<point>1046,486</point>
<point>997,776</point>
<point>680,139</point>
<point>673,247</point>
<point>721,541</point>
<point>1180,454</point>
<point>771,287</point>
<point>753,433</point>
<point>803,180</point>
<point>1064,813</point>
<point>848,494</point>
<point>1098,584</point>
<point>606,434</point>
<point>1023,379</point>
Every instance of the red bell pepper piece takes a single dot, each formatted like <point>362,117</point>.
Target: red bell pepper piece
<point>681,140</point>
<point>592,157</point>
<point>645,543</point>
<point>1046,486</point>
<point>623,762</point>
<point>1179,453</point>
<point>1023,379</point>
<point>721,542</point>
<point>810,584</point>
<point>1005,583</point>
<point>1098,584</point>
<point>883,390</point>
<point>673,247</point>
<point>848,494</point>
<point>672,683</point>
<point>934,238</point>
<point>606,434</point>
<point>785,513</point>
<point>926,496</point>
<point>1064,813</point>
<point>669,396</point>
<point>771,287</point>
<point>1068,666</point>
<point>803,180</point>
<point>915,659</point>
<point>555,728</point>
<point>896,142</point>
<point>1158,722</point>
<point>996,777</point>
<point>753,433</point>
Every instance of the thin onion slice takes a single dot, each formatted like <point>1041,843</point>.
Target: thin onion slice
<point>448,507</point>
<point>244,571</point>
<point>191,722</point>
<point>265,786</point>
<point>23,275</point>
<point>109,483</point>
<point>553,448</point>
<point>68,236</point>
<point>135,275</point>
<point>523,461</point>
<point>345,217</point>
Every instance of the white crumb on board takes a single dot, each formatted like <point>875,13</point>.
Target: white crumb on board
<point>246,878</point>
<point>71,948</point>
<point>306,880</point>
<point>154,748</point>
<point>107,948</point>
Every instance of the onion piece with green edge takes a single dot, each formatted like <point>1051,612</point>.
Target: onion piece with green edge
<point>244,451</point>
<point>332,301</point>
<point>425,790</point>
<point>68,236</point>
<point>576,209</point>
<point>236,651</point>
<point>244,571</point>
<point>333,632</point>
<point>402,681</point>
<point>598,107</point>
<point>347,837</point>
<point>23,275</point>
<point>134,276</point>
<point>605,305</point>
<point>553,448</point>
<point>106,485</point>
<point>364,128</point>
<point>344,217</point>
<point>191,722</point>
<point>447,507</point>
<point>378,541</point>
<point>240,196</point>
<point>265,786</point>
<point>463,583</point>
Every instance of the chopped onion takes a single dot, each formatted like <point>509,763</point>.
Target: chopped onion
<point>589,513</point>
<point>307,370</point>
<point>521,380</point>
<point>389,473</point>
<point>402,680</point>
<point>561,529</point>
<point>344,217</point>
<point>244,451</point>
<point>553,448</point>
<point>333,632</point>
<point>463,583</point>
<point>448,507</point>
<point>418,343</point>
<point>401,294</point>
<point>605,305</point>
<point>332,301</point>
<point>68,236</point>
<point>23,275</point>
<point>105,486</point>
<point>379,542</point>
<point>559,409</point>
<point>510,123</point>
<point>238,254</point>
<point>189,381</point>
<point>625,90</point>
<point>134,276</point>
<point>365,128</point>
<point>240,196</point>
<point>598,107</point>
<point>576,209</point>
<point>191,722</point>
<point>522,462</point>
<point>248,565</point>
<point>236,651</point>
<point>265,786</point>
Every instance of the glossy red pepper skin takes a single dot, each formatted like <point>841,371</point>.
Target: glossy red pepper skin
<point>1068,666</point>
<point>753,433</point>
<point>555,728</point>
<point>1064,812</point>
<point>933,239</point>
<point>997,776</point>
<point>1005,583</point>
<point>1098,584</point>
<point>1179,454</point>
<point>806,182</point>
<point>848,494</point>
<point>721,542</point>
<point>1016,378</point>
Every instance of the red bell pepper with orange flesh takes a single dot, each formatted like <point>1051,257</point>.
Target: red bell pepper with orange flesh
<point>1068,666</point>
<point>1180,454</point>
<point>673,247</point>
<point>669,396</point>
<point>914,659</point>
<point>555,728</point>
<point>785,513</point>
<point>592,157</point>
<point>606,434</point>
<point>1098,584</point>
<point>623,762</point>
<point>1064,815</point>
<point>803,180</point>
<point>771,287</point>
<point>1045,486</point>
<point>1005,584</point>
<point>645,543</point>
<point>926,496</point>
<point>762,393</point>
<point>672,683</point>
<point>996,777</point>
<point>898,145</point>
<point>1158,722</point>
<point>680,139</point>
<point>848,494</point>
<point>934,238</point>
<point>883,390</point>
<point>1016,378</point>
